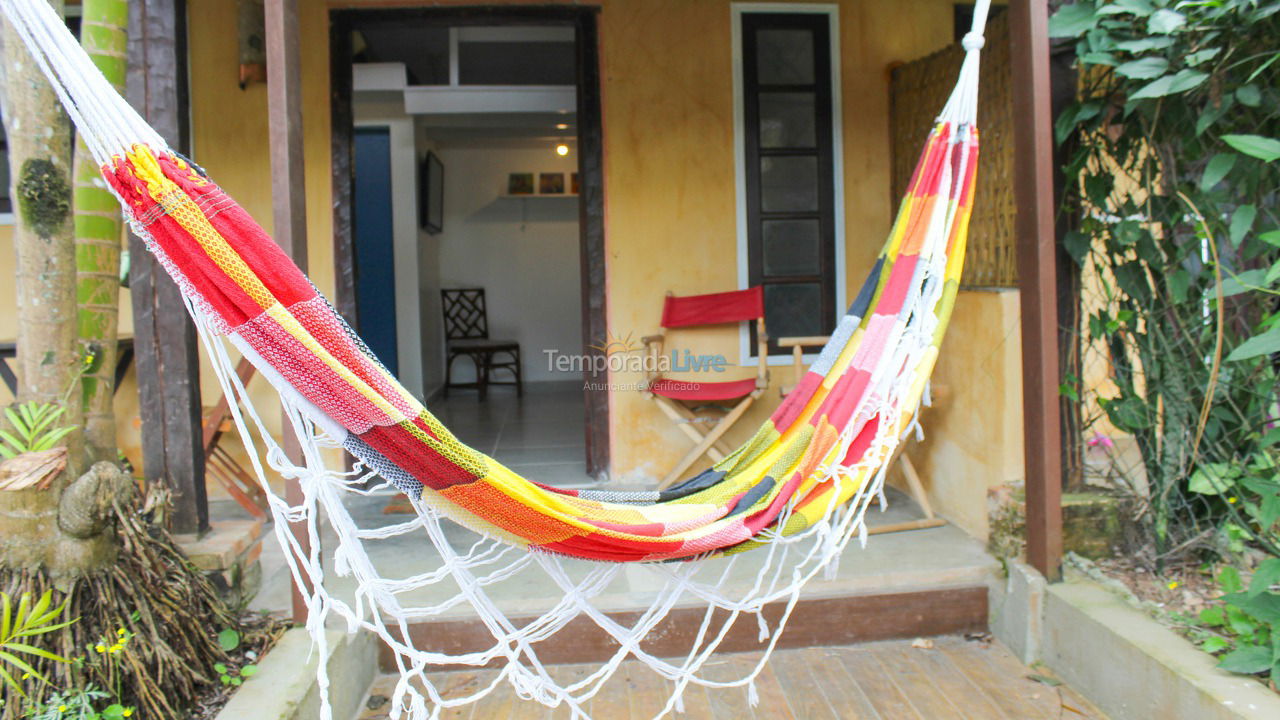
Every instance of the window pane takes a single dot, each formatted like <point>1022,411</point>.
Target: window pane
<point>787,120</point>
<point>784,57</point>
<point>793,309</point>
<point>789,184</point>
<point>791,247</point>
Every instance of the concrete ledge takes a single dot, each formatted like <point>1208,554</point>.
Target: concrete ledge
<point>285,686</point>
<point>1017,609</point>
<point>1134,668</point>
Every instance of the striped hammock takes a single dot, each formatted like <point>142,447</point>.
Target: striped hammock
<point>807,474</point>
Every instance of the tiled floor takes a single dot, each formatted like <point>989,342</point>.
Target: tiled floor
<point>955,678</point>
<point>541,436</point>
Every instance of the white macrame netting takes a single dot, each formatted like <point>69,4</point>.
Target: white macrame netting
<point>364,571</point>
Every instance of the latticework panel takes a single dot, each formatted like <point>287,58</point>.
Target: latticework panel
<point>918,89</point>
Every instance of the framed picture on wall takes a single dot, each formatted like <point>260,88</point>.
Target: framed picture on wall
<point>551,183</point>
<point>431,194</point>
<point>520,184</point>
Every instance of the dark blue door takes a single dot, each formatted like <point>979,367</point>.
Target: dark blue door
<point>375,252</point>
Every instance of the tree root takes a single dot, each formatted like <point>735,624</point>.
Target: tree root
<point>151,591</point>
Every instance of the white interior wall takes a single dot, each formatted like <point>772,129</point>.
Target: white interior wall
<point>431,324</point>
<point>523,251</point>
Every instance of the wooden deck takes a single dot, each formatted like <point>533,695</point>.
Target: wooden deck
<point>891,680</point>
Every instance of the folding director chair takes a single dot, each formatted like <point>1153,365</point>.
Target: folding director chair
<point>682,400</point>
<point>914,485</point>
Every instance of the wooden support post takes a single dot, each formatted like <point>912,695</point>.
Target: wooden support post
<point>164,337</point>
<point>1037,279</point>
<point>288,190</point>
<point>591,230</point>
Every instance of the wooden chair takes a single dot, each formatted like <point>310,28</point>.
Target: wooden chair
<point>682,400</point>
<point>466,333</point>
<point>914,486</point>
<point>221,465</point>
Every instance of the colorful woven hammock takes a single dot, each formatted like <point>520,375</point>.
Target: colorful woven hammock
<point>244,286</point>
<point>808,472</point>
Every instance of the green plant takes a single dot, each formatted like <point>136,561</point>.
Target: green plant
<point>1244,629</point>
<point>228,640</point>
<point>78,704</point>
<point>1174,167</point>
<point>33,428</point>
<point>234,676</point>
<point>17,626</point>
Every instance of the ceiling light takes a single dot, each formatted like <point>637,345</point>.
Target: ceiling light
<point>562,126</point>
<point>562,150</point>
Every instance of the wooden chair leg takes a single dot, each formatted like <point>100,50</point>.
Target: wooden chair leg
<point>482,361</point>
<point>448,373</point>
<point>718,449</point>
<point>918,494</point>
<point>519,374</point>
<point>915,486</point>
<point>685,420</point>
<point>721,427</point>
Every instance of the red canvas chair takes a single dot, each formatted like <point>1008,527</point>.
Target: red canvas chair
<point>682,400</point>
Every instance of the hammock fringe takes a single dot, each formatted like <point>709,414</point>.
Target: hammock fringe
<point>797,492</point>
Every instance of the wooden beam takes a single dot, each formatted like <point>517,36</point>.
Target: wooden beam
<point>164,337</point>
<point>839,620</point>
<point>288,193</point>
<point>1037,279</point>
<point>591,234</point>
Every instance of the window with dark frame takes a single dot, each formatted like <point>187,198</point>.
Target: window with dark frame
<point>790,188</point>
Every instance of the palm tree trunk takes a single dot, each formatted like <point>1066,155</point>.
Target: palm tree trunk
<point>39,135</point>
<point>104,35</point>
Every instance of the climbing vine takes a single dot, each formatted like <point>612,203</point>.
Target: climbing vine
<point>1173,175</point>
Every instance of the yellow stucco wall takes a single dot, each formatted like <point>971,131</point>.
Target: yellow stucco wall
<point>670,220</point>
<point>973,432</point>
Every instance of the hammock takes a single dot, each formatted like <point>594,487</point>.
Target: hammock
<point>799,487</point>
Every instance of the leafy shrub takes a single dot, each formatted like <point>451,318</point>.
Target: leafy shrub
<point>1173,188</point>
<point>33,428</point>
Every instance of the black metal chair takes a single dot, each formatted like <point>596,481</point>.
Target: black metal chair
<point>466,332</point>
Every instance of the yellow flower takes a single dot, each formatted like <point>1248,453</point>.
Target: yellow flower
<point>100,648</point>
<point>1173,585</point>
<point>26,675</point>
<point>120,632</point>
<point>128,712</point>
<point>1231,500</point>
<point>62,708</point>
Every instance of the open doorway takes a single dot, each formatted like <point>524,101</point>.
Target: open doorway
<point>501,109</point>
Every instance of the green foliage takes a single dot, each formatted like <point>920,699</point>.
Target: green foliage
<point>33,428</point>
<point>79,704</point>
<point>1174,160</point>
<point>74,704</point>
<point>18,628</point>
<point>1243,628</point>
<point>232,676</point>
<point>228,640</point>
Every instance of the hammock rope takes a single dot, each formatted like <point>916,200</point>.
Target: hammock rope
<point>798,489</point>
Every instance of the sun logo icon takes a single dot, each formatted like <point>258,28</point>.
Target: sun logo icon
<point>614,344</point>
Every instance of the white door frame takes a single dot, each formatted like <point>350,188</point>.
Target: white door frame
<point>737,10</point>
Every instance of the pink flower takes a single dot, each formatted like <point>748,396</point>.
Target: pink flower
<point>1100,440</point>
